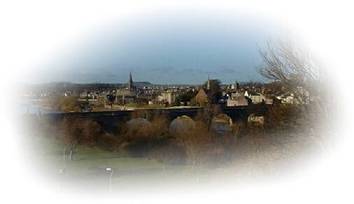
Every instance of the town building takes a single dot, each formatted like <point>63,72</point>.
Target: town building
<point>255,97</point>
<point>201,98</point>
<point>237,101</point>
<point>167,97</point>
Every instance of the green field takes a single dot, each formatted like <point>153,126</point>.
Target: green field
<point>88,167</point>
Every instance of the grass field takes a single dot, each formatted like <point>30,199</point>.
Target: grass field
<point>88,167</point>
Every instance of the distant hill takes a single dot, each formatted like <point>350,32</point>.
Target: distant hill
<point>69,85</point>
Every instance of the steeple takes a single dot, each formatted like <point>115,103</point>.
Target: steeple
<point>237,85</point>
<point>208,83</point>
<point>130,82</point>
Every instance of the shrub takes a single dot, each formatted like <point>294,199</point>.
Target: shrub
<point>109,142</point>
<point>196,142</point>
<point>169,152</point>
<point>138,129</point>
<point>159,126</point>
<point>283,116</point>
<point>80,131</point>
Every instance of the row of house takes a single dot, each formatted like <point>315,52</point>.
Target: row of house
<point>230,95</point>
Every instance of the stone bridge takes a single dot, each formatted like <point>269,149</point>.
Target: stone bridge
<point>110,120</point>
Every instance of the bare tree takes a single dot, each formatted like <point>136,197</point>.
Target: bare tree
<point>291,66</point>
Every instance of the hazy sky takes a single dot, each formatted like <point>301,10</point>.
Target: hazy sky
<point>180,47</point>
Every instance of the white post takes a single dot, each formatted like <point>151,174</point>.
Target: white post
<point>110,170</point>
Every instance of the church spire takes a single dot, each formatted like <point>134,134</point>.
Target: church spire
<point>208,83</point>
<point>130,82</point>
